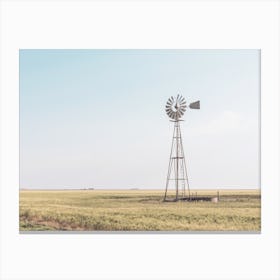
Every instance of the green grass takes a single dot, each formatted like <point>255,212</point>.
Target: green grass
<point>137,210</point>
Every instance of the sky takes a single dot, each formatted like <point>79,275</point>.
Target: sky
<point>96,118</point>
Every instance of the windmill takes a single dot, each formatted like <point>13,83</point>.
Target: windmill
<point>177,170</point>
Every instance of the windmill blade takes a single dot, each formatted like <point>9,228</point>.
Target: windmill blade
<point>168,111</point>
<point>170,100</point>
<point>181,112</point>
<point>177,105</point>
<point>195,105</point>
<point>181,99</point>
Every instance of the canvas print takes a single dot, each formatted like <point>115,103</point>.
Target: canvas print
<point>142,141</point>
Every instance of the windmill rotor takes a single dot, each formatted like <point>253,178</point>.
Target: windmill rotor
<point>176,107</point>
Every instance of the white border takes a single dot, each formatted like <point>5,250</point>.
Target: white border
<point>155,24</point>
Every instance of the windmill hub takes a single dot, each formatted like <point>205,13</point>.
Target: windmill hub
<point>177,171</point>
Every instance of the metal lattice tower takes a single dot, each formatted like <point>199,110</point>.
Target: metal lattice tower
<point>177,170</point>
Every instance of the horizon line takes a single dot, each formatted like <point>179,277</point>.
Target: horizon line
<point>112,189</point>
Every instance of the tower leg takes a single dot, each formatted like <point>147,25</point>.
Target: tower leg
<point>177,160</point>
<point>170,165</point>
<point>185,174</point>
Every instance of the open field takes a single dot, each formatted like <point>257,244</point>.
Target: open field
<point>137,210</point>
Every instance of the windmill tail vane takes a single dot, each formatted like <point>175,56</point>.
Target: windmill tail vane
<point>177,170</point>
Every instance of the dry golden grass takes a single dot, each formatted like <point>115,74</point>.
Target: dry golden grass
<point>138,210</point>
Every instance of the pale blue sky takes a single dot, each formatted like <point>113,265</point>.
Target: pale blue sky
<point>96,118</point>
